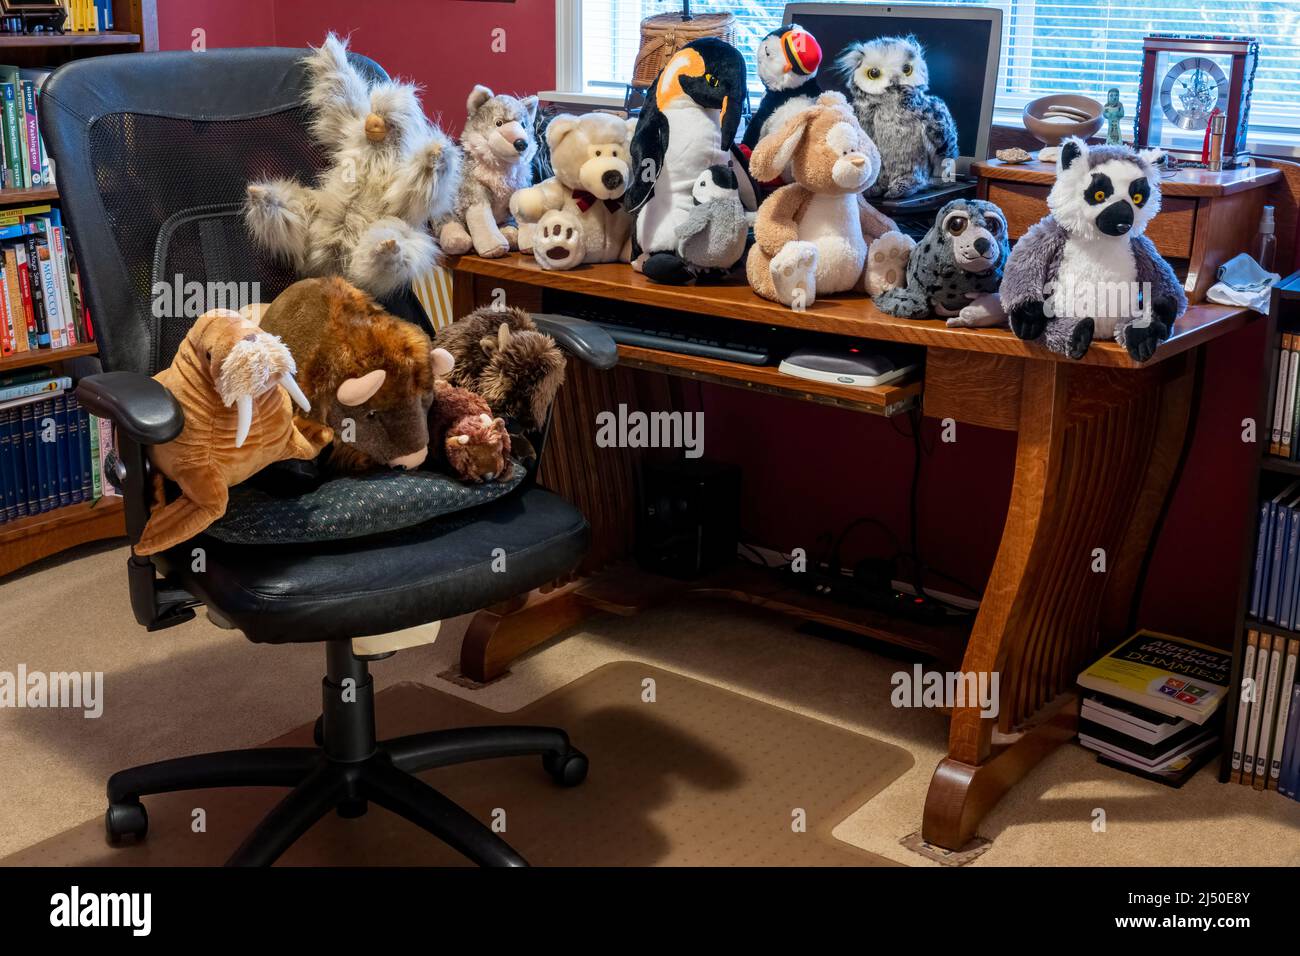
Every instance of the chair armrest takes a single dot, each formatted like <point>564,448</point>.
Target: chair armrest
<point>580,338</point>
<point>142,408</point>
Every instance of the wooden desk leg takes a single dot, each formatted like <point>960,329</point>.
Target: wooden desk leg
<point>1096,455</point>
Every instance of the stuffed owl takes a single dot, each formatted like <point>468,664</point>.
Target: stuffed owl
<point>888,80</point>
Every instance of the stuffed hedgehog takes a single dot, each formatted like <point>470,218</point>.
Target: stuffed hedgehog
<point>913,129</point>
<point>713,236</point>
<point>956,268</point>
<point>786,62</point>
<point>1086,270</point>
<point>474,444</point>
<point>390,172</point>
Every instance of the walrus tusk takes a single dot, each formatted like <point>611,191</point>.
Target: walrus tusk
<point>244,420</point>
<point>291,386</point>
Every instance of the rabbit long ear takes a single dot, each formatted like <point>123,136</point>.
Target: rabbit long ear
<point>775,150</point>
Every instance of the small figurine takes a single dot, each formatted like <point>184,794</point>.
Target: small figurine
<point>1114,112</point>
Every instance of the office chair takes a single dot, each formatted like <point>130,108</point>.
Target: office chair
<point>152,153</point>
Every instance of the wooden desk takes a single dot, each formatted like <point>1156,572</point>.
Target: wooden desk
<point>1098,445</point>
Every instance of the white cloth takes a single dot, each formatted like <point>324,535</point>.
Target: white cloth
<point>1243,281</point>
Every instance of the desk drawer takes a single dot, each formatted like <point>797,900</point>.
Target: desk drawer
<point>1026,203</point>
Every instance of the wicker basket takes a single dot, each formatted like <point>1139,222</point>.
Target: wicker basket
<point>664,34</point>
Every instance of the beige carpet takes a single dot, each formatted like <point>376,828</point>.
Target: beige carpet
<point>698,776</point>
<point>195,688</point>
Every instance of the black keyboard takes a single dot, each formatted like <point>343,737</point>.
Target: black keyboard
<point>748,343</point>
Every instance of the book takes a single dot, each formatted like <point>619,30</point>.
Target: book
<point>1289,391</point>
<point>1266,717</point>
<point>1283,711</point>
<point>1280,378</point>
<point>1259,680</point>
<point>14,178</point>
<point>1283,517</point>
<point>55,304</point>
<point>1170,675</point>
<point>1155,754</point>
<point>1244,702</point>
<point>1173,774</point>
<point>27,389</point>
<point>49,334</point>
<point>1289,782</point>
<point>1137,722</point>
<point>96,472</point>
<point>32,135</point>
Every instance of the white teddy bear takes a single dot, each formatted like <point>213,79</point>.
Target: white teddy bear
<point>583,202</point>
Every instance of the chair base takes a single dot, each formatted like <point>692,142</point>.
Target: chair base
<point>348,770</point>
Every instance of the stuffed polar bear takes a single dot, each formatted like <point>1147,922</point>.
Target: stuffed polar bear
<point>591,157</point>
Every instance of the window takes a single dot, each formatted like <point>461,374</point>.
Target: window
<point>1048,46</point>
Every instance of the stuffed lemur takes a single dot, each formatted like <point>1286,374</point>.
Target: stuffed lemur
<point>1086,270</point>
<point>888,83</point>
<point>688,124</point>
<point>786,60</point>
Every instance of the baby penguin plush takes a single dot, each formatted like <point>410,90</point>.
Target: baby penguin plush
<point>786,61</point>
<point>236,387</point>
<point>499,145</point>
<point>390,172</point>
<point>591,157</point>
<point>955,270</point>
<point>688,124</point>
<point>913,129</point>
<point>1086,270</point>
<point>713,237</point>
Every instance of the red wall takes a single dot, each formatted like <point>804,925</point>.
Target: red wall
<point>808,469</point>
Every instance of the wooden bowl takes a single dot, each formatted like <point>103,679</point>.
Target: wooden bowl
<point>1051,133</point>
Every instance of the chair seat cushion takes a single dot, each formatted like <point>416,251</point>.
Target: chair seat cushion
<point>351,506</point>
<point>384,583</point>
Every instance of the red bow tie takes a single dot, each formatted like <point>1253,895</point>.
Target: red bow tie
<point>585,200</point>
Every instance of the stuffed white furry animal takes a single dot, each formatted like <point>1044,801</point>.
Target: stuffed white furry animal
<point>391,171</point>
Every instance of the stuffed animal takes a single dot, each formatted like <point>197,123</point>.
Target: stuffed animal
<point>500,355</point>
<point>1086,270</point>
<point>912,128</point>
<point>786,61</point>
<point>688,124</point>
<point>390,171</point>
<point>811,236</point>
<point>473,444</point>
<point>590,157</point>
<point>236,388</point>
<point>499,143</point>
<point>368,375</point>
<point>955,270</point>
<point>713,237</point>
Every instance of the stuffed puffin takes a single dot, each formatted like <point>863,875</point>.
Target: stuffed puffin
<point>787,60</point>
<point>688,124</point>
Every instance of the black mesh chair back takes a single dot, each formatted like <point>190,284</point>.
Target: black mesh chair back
<point>153,193</point>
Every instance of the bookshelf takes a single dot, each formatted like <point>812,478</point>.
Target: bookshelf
<point>1272,474</point>
<point>29,539</point>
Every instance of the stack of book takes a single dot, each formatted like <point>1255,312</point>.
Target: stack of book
<point>1282,441</point>
<point>41,306</point>
<point>87,16</point>
<point>1266,741</point>
<point>52,451</point>
<point>1154,706</point>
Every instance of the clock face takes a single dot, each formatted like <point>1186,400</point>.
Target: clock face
<point>1191,90</point>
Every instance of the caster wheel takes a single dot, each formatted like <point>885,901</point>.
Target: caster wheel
<point>126,820</point>
<point>567,769</point>
<point>318,732</point>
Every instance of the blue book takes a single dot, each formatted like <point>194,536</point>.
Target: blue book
<point>31,471</point>
<point>1283,516</point>
<point>77,453</point>
<point>17,470</point>
<point>62,460</point>
<point>44,461</point>
<point>1288,782</point>
<point>8,500</point>
<point>1286,611</point>
<point>1261,549</point>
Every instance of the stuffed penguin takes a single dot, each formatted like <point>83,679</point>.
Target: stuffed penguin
<point>786,61</point>
<point>714,234</point>
<point>688,123</point>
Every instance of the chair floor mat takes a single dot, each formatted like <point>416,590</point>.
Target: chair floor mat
<point>683,773</point>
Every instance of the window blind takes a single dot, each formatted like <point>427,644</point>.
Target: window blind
<point>1048,46</point>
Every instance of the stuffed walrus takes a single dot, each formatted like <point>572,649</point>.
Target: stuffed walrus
<point>234,384</point>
